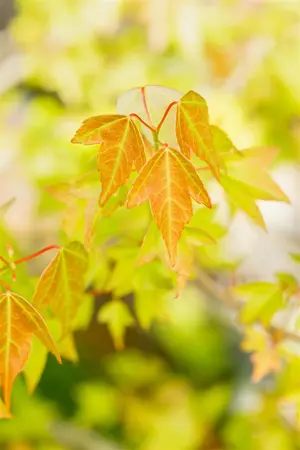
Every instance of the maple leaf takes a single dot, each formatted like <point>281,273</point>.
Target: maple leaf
<point>247,180</point>
<point>265,353</point>
<point>193,131</point>
<point>121,148</point>
<point>263,300</point>
<point>19,320</point>
<point>250,168</point>
<point>61,285</point>
<point>169,180</point>
<point>116,314</point>
<point>265,362</point>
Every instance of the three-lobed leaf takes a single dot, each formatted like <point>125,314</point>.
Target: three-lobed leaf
<point>121,148</point>
<point>117,316</point>
<point>193,130</point>
<point>19,320</point>
<point>263,300</point>
<point>169,181</point>
<point>61,285</point>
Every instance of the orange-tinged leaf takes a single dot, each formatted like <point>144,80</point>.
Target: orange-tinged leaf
<point>19,320</point>
<point>121,148</point>
<point>96,129</point>
<point>4,413</point>
<point>168,180</point>
<point>61,285</point>
<point>193,131</point>
<point>264,363</point>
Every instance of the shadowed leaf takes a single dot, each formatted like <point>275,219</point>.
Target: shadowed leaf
<point>117,316</point>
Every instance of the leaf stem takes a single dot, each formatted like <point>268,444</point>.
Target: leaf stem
<point>165,115</point>
<point>143,122</point>
<point>34,255</point>
<point>143,92</point>
<point>4,260</point>
<point>7,286</point>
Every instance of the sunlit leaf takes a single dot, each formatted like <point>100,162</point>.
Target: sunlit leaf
<point>193,130</point>
<point>221,142</point>
<point>4,413</point>
<point>265,356</point>
<point>288,283</point>
<point>169,180</point>
<point>184,265</point>
<point>236,191</point>
<point>150,247</point>
<point>19,320</point>
<point>295,257</point>
<point>150,305</point>
<point>121,147</point>
<point>264,363</point>
<point>121,277</point>
<point>115,201</point>
<point>117,316</point>
<point>263,299</point>
<point>36,365</point>
<point>250,167</point>
<point>68,348</point>
<point>61,285</point>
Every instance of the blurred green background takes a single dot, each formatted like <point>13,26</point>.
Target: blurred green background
<point>185,385</point>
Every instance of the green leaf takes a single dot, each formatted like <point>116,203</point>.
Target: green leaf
<point>263,300</point>
<point>36,364</point>
<point>61,285</point>
<point>237,193</point>
<point>150,305</point>
<point>295,257</point>
<point>288,283</point>
<point>151,246</point>
<point>221,141</point>
<point>250,166</point>
<point>121,278</point>
<point>117,316</point>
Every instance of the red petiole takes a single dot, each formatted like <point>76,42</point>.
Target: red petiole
<point>143,92</point>
<point>7,286</point>
<point>34,255</point>
<point>154,130</point>
<point>165,115</point>
<point>143,122</point>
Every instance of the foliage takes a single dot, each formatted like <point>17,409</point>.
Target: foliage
<point>135,211</point>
